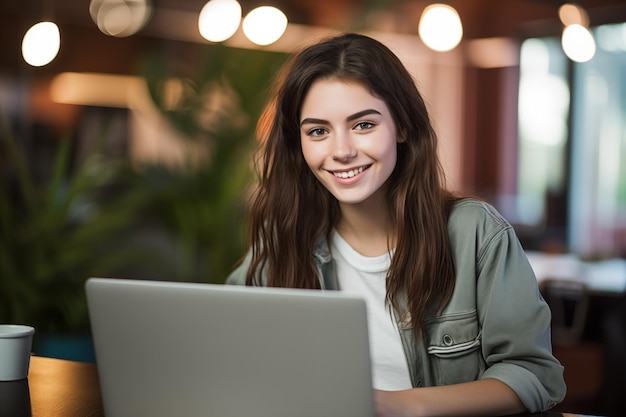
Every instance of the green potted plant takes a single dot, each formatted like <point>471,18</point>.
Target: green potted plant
<point>54,234</point>
<point>202,206</point>
<point>85,221</point>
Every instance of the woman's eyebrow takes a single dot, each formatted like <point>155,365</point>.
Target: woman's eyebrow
<point>361,114</point>
<point>310,120</point>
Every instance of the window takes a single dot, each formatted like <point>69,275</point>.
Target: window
<point>598,175</point>
<point>572,144</point>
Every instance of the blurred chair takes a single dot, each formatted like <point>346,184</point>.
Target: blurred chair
<point>614,332</point>
<point>569,303</point>
<point>583,360</point>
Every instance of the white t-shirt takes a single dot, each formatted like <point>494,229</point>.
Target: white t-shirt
<point>366,276</point>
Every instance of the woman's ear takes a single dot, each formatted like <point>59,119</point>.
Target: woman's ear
<point>401,137</point>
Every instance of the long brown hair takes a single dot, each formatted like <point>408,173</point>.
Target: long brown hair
<point>291,210</point>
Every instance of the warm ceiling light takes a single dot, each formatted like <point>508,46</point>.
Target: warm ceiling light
<point>41,44</point>
<point>264,25</point>
<point>120,18</point>
<point>219,20</point>
<point>440,27</point>
<point>578,43</point>
<point>572,14</point>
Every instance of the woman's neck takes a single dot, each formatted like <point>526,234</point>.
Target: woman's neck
<point>367,227</point>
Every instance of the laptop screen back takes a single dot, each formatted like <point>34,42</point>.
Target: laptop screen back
<point>185,349</point>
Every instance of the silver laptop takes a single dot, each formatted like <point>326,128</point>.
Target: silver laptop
<point>184,349</point>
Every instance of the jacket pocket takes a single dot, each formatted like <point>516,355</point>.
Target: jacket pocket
<point>453,346</point>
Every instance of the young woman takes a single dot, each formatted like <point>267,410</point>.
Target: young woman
<point>351,197</point>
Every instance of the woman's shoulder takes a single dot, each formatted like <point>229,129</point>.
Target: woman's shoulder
<point>472,216</point>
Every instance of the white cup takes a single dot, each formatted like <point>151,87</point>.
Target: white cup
<point>15,347</point>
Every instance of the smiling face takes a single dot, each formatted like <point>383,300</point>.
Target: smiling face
<point>348,140</point>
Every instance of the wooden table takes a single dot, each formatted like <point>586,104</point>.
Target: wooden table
<point>60,388</point>
<point>54,388</point>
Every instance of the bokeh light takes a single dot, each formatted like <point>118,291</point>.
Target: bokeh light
<point>572,14</point>
<point>41,44</point>
<point>264,25</point>
<point>440,27</point>
<point>120,18</point>
<point>578,43</point>
<point>219,20</point>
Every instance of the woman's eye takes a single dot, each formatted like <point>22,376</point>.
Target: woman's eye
<point>364,125</point>
<point>317,132</point>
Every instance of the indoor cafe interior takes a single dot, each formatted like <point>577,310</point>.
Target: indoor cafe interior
<point>127,127</point>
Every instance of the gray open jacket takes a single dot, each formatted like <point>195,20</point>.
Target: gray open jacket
<point>496,324</point>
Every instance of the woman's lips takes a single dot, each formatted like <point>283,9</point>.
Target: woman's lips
<point>351,172</point>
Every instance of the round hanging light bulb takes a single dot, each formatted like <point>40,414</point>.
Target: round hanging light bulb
<point>117,20</point>
<point>571,14</point>
<point>578,43</point>
<point>264,25</point>
<point>440,27</point>
<point>219,19</point>
<point>41,44</point>
<point>120,18</point>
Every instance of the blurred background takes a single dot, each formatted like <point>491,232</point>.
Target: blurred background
<point>127,128</point>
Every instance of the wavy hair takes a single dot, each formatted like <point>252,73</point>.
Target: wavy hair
<point>291,209</point>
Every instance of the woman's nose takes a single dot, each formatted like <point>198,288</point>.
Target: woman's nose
<point>344,147</point>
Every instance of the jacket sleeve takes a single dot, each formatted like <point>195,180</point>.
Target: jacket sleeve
<point>516,340</point>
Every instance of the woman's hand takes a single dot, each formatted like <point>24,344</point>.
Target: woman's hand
<point>485,397</point>
<point>395,404</point>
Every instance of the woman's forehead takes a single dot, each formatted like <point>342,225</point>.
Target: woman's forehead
<point>331,94</point>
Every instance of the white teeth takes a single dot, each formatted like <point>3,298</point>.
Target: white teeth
<point>349,174</point>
